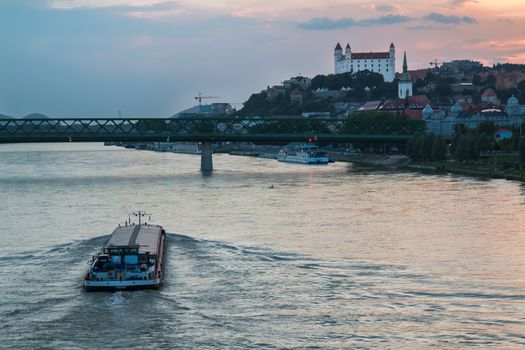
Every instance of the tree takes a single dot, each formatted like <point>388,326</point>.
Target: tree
<point>428,143</point>
<point>462,148</point>
<point>439,148</point>
<point>483,144</point>
<point>430,77</point>
<point>522,151</point>
<point>487,127</point>
<point>471,147</point>
<point>443,89</point>
<point>418,147</point>
<point>410,147</point>
<point>521,86</point>
<point>419,84</point>
<point>491,81</point>
<point>476,80</point>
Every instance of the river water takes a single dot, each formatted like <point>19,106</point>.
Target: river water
<point>331,257</point>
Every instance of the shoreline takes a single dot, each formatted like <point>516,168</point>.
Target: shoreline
<point>392,162</point>
<point>403,162</point>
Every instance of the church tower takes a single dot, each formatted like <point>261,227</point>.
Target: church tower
<point>405,81</point>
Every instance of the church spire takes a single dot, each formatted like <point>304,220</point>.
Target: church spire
<point>405,65</point>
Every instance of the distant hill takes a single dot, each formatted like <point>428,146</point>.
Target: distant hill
<point>36,116</point>
<point>3,116</point>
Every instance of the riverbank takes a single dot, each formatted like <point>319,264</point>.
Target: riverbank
<point>387,161</point>
<point>504,168</point>
<point>482,168</point>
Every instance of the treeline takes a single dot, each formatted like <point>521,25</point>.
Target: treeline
<point>425,147</point>
<point>467,145</point>
<point>509,67</point>
<point>358,82</point>
<point>372,122</point>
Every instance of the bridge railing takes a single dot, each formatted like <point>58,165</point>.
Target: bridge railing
<point>205,129</point>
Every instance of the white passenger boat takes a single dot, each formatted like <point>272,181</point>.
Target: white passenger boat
<point>304,154</point>
<point>132,258</point>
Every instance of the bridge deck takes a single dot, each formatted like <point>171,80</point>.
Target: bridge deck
<point>205,130</point>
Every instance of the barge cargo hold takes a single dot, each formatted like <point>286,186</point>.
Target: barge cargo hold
<point>132,258</point>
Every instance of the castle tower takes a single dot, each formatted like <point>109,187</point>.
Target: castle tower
<point>338,53</point>
<point>348,52</point>
<point>392,63</point>
<point>405,81</point>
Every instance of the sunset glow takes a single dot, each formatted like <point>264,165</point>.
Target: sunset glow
<point>202,43</point>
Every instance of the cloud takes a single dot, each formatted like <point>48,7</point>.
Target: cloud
<point>385,8</point>
<point>428,27</point>
<point>71,4</point>
<point>155,15</point>
<point>508,45</point>
<point>457,3</point>
<point>325,23</point>
<point>449,19</point>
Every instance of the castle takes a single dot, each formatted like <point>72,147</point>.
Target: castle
<point>383,63</point>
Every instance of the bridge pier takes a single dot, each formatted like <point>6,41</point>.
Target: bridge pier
<point>206,157</point>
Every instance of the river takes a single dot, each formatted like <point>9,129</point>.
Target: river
<point>261,254</point>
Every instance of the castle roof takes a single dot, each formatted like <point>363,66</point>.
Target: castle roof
<point>347,46</point>
<point>369,55</point>
<point>338,47</point>
<point>392,45</point>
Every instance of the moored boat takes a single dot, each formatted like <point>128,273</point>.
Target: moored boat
<point>304,154</point>
<point>132,258</point>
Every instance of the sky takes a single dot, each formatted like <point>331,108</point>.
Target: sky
<point>149,58</point>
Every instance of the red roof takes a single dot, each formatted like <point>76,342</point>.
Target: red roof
<point>489,93</point>
<point>369,55</point>
<point>418,100</point>
<point>418,73</point>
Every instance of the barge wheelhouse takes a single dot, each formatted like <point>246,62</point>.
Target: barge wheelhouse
<point>132,258</point>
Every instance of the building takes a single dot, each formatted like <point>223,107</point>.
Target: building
<point>207,110</point>
<point>505,80</point>
<point>502,134</point>
<point>383,63</point>
<point>297,96</point>
<point>275,91</point>
<point>445,123</point>
<point>460,67</point>
<point>490,96</point>
<point>299,81</point>
<point>405,81</point>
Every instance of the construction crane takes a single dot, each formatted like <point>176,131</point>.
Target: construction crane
<point>200,98</point>
<point>435,64</point>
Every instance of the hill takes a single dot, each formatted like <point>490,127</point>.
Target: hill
<point>36,116</point>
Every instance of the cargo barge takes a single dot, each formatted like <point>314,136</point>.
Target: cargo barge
<point>132,258</point>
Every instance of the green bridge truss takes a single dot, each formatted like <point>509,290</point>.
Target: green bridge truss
<point>207,130</point>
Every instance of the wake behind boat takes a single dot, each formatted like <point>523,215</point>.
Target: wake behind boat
<point>304,154</point>
<point>132,258</point>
